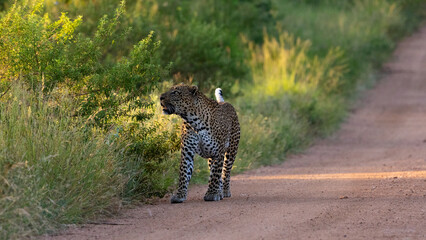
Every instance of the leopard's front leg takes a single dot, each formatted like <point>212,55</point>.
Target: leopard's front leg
<point>189,145</point>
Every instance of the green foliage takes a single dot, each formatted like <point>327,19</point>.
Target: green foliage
<point>201,55</point>
<point>248,17</point>
<point>30,43</point>
<point>50,54</point>
<point>201,38</point>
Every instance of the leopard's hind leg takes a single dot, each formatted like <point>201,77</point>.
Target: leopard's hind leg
<point>229,161</point>
<point>214,191</point>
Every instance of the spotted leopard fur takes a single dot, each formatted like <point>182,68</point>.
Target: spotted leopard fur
<point>211,129</point>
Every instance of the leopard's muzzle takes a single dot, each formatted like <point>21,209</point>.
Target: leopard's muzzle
<point>167,107</point>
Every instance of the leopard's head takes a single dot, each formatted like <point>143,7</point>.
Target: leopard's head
<point>179,100</point>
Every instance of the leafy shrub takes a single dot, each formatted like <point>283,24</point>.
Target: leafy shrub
<point>201,38</point>
<point>49,54</point>
<point>248,17</point>
<point>200,55</point>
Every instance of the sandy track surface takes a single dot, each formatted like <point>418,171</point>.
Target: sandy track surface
<point>368,181</point>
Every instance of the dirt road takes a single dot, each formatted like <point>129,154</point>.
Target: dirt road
<point>368,181</point>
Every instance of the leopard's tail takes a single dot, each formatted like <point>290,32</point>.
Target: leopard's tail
<point>218,94</point>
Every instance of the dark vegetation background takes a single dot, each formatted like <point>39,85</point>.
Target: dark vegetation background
<point>81,131</point>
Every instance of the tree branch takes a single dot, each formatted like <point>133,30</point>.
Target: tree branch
<point>7,90</point>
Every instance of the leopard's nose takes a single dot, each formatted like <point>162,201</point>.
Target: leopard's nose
<point>161,98</point>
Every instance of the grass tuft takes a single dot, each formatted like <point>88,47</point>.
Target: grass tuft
<point>53,169</point>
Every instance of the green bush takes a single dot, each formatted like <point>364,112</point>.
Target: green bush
<point>201,38</point>
<point>201,55</point>
<point>49,54</point>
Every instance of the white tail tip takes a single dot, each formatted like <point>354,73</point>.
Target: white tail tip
<point>218,94</point>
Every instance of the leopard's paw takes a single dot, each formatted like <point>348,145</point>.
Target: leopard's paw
<point>226,193</point>
<point>213,197</point>
<point>177,199</point>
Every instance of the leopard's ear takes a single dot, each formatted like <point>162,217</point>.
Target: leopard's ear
<point>193,90</point>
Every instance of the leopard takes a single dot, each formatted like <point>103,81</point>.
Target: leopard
<point>210,128</point>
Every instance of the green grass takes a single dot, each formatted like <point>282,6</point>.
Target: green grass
<point>52,170</point>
